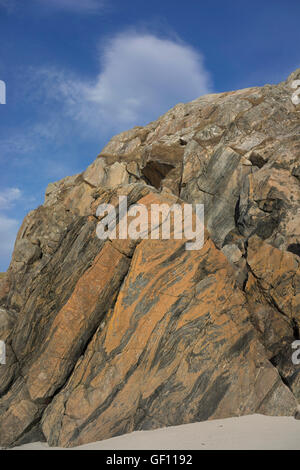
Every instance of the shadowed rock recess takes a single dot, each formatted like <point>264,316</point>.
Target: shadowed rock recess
<point>108,337</point>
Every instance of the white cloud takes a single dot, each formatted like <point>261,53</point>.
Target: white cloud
<point>79,6</point>
<point>144,74</point>
<point>141,76</point>
<point>8,197</point>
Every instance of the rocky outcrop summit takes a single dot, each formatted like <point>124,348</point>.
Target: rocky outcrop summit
<point>106,337</point>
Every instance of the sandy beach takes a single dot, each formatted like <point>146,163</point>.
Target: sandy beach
<point>246,432</point>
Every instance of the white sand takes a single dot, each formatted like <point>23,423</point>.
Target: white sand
<point>247,432</point>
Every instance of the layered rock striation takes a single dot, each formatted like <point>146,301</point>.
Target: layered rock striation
<point>105,337</point>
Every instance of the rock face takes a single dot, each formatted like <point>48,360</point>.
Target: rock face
<point>107,337</point>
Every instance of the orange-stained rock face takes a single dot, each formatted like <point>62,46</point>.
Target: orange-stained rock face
<point>107,337</point>
<point>177,345</point>
<point>84,310</point>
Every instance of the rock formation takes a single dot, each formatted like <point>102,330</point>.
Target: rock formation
<point>107,337</point>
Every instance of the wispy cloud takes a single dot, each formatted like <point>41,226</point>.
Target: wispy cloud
<point>140,77</point>
<point>8,197</point>
<point>78,6</point>
<point>72,6</point>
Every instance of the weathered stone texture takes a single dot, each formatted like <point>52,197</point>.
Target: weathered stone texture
<point>107,337</point>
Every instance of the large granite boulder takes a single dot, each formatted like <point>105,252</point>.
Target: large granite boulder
<point>107,337</point>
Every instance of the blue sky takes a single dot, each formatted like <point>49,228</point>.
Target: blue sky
<point>79,71</point>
